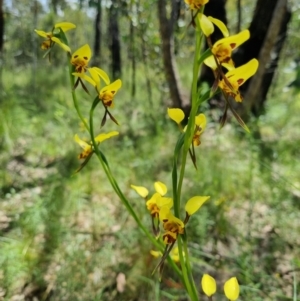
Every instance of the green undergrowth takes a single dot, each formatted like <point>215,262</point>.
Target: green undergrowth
<point>66,236</point>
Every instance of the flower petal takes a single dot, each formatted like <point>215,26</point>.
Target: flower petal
<point>65,26</point>
<point>234,41</point>
<point>206,25</point>
<point>82,55</point>
<point>105,136</point>
<point>242,73</point>
<point>232,289</point>
<point>142,191</point>
<point>209,285</point>
<point>107,93</point>
<point>220,25</point>
<point>82,143</point>
<point>176,114</point>
<point>85,77</point>
<point>211,62</point>
<point>161,188</point>
<point>43,33</point>
<point>194,204</point>
<point>155,254</point>
<point>200,121</point>
<point>164,202</point>
<point>102,74</point>
<point>62,45</point>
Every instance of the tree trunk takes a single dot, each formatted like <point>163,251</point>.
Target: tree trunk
<point>97,42</point>
<point>1,42</point>
<point>268,32</point>
<point>115,46</point>
<point>166,27</point>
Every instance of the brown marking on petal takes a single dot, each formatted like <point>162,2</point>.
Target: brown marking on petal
<point>240,81</point>
<point>232,45</point>
<point>108,103</point>
<point>85,57</point>
<point>113,92</point>
<point>75,56</point>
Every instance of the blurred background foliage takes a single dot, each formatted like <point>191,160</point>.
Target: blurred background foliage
<point>66,236</point>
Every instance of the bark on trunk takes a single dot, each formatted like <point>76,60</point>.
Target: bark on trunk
<point>166,27</point>
<point>115,46</point>
<point>97,42</point>
<point>268,33</point>
<point>1,42</point>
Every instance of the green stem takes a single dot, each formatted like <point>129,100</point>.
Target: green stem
<point>118,191</point>
<point>188,139</point>
<point>72,81</point>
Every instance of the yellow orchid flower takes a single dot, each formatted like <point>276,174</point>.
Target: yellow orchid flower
<point>53,36</point>
<point>156,202</point>
<point>88,148</point>
<point>223,48</point>
<point>81,57</point>
<point>232,289</point>
<point>195,4</point>
<point>236,77</point>
<point>209,285</point>
<point>177,115</point>
<point>171,224</point>
<point>200,125</point>
<point>108,93</point>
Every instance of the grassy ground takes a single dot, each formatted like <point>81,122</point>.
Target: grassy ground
<point>67,237</point>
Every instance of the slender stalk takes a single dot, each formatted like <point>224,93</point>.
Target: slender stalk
<point>120,194</point>
<point>182,245</point>
<point>74,97</point>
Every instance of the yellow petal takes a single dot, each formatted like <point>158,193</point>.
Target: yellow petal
<point>161,188</point>
<point>142,191</point>
<point>211,62</point>
<point>220,25</point>
<point>62,45</point>
<point>108,92</point>
<point>174,219</point>
<point>241,74</point>
<point>176,114</point>
<point>82,55</point>
<point>43,33</point>
<point>194,204</point>
<point>85,77</point>
<point>234,41</point>
<point>200,121</point>
<point>156,254</point>
<point>206,25</point>
<point>164,202</point>
<point>105,136</point>
<point>209,285</point>
<point>164,213</point>
<point>232,289</point>
<point>65,26</point>
<point>82,143</point>
<point>102,74</point>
